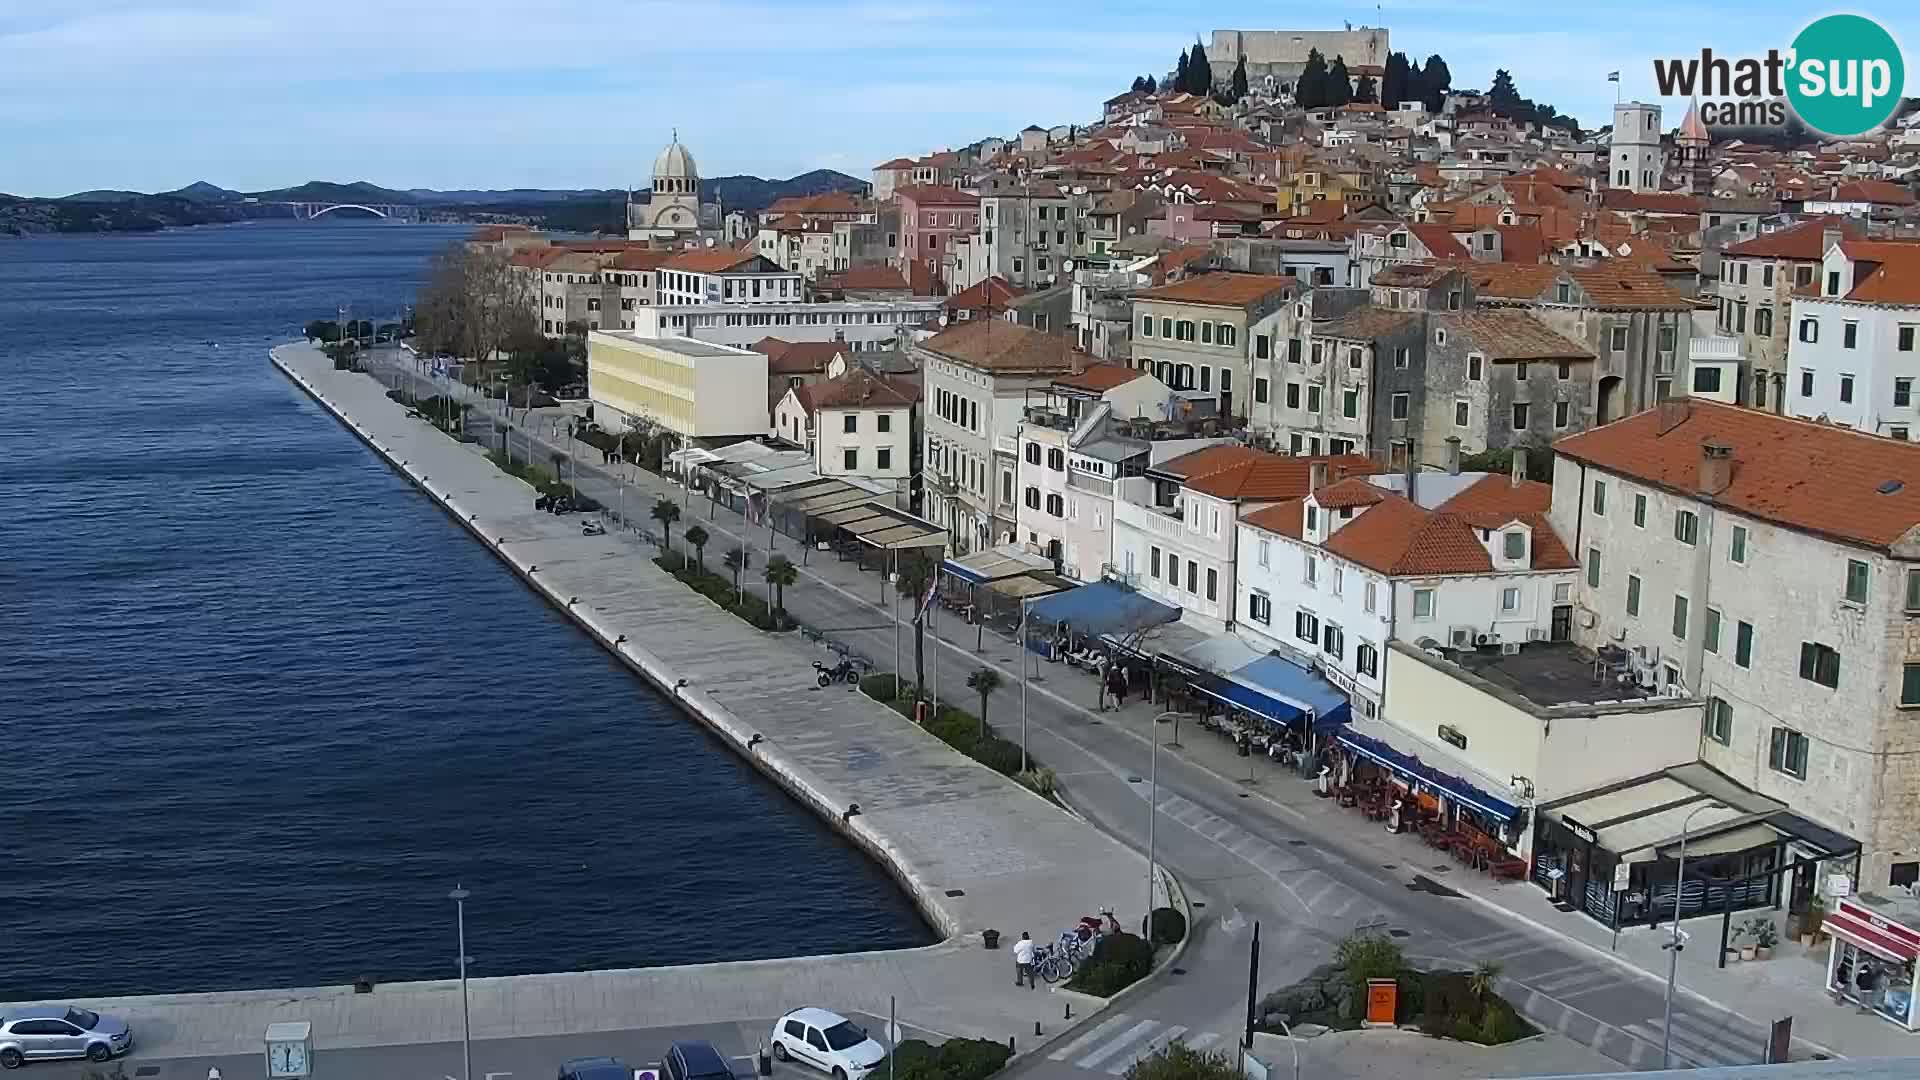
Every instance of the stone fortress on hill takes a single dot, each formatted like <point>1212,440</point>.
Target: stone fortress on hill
<point>1282,54</point>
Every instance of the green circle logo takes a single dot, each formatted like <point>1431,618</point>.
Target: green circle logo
<point>1846,75</point>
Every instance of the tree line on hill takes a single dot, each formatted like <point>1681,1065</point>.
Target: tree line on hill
<point>1322,84</point>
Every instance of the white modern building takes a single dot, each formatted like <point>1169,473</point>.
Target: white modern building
<point>1772,567</point>
<point>1854,359</point>
<point>862,324</point>
<point>727,276</point>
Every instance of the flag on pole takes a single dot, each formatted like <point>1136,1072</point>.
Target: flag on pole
<point>926,601</point>
<point>1613,76</point>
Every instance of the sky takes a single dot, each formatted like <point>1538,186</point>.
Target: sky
<point>150,95</point>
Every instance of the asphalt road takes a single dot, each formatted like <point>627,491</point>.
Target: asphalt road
<point>1243,855</point>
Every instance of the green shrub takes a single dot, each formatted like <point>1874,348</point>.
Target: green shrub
<point>1118,961</point>
<point>998,754</point>
<point>1166,926</point>
<point>1041,781</point>
<point>1178,1061</point>
<point>914,1059</point>
<point>972,1059</point>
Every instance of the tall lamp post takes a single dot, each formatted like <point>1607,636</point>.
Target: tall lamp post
<point>459,897</point>
<point>1673,946</point>
<point>1153,811</point>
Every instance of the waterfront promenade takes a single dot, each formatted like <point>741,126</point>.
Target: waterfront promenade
<point>972,848</point>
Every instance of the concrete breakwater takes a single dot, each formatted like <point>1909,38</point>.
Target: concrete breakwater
<point>972,848</point>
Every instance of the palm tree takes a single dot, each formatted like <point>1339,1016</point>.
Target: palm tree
<point>984,681</point>
<point>736,560</point>
<point>780,573</point>
<point>698,537</point>
<point>1482,981</point>
<point>913,573</point>
<point>666,512</point>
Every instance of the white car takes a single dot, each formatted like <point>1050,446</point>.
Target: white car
<point>828,1042</point>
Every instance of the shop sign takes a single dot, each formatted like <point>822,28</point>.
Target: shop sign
<point>1622,873</point>
<point>1577,829</point>
<point>1839,885</point>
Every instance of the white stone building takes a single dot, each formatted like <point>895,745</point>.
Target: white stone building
<point>863,325</point>
<point>859,424</point>
<point>673,210</point>
<point>1772,567</point>
<point>1468,562</point>
<point>726,276</point>
<point>1854,359</point>
<point>1635,161</point>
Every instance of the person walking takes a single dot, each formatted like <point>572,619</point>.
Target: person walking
<point>1023,960</point>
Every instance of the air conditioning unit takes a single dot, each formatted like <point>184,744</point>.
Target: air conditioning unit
<point>1483,640</point>
<point>1461,637</point>
<point>1536,634</point>
<point>1646,678</point>
<point>1510,648</point>
<point>1646,654</point>
<point>1587,619</point>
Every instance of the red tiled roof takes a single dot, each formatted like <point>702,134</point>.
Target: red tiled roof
<point>934,195</point>
<point>862,389</point>
<point>1285,518</point>
<point>1099,378</point>
<point>1438,240</point>
<point>709,260</point>
<point>1891,271</point>
<point>877,276</point>
<point>1652,202</point>
<point>1878,192</point>
<point>1353,491</point>
<point>896,163</point>
<point>1611,284</point>
<point>1805,241</point>
<point>639,259</point>
<point>1259,476</point>
<point>1220,289</point>
<point>1813,477</point>
<point>987,294</point>
<point>1512,334</point>
<point>998,345</point>
<point>1397,537</point>
<point>1500,495</point>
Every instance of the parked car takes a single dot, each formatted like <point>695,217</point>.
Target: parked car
<point>61,1031</point>
<point>595,1068</point>
<point>827,1041</point>
<point>692,1059</point>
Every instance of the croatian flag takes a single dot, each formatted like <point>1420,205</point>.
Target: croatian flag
<point>1613,76</point>
<point>926,601</point>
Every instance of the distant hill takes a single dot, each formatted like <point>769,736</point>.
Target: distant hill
<point>755,194</point>
<point>103,195</point>
<point>522,196</point>
<point>327,191</point>
<point>202,192</point>
<point>141,213</point>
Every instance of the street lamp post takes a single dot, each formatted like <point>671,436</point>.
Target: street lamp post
<point>1153,810</point>
<point>1021,645</point>
<point>459,897</point>
<point>1673,946</point>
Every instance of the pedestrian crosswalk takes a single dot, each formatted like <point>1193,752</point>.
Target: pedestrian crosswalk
<point>1700,1041</point>
<point>1118,1043</point>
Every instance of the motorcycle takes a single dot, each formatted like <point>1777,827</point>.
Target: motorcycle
<point>827,676</point>
<point>593,528</point>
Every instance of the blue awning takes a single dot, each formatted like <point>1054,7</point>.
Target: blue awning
<point>1294,691</point>
<point>1102,607</point>
<point>1373,743</point>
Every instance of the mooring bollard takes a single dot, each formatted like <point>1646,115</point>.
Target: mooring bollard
<point>1069,1015</point>
<point>1036,1029</point>
<point>1010,1048</point>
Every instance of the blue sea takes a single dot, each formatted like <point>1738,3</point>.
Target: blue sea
<point>262,705</point>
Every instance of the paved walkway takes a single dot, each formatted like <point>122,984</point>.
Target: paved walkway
<point>1759,992</point>
<point>974,849</point>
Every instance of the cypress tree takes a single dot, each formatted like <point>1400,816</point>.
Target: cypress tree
<point>1310,90</point>
<point>1365,93</point>
<point>1199,70</point>
<point>1180,73</point>
<point>1393,84</point>
<point>1339,83</point>
<point>1240,79</point>
<point>1436,80</point>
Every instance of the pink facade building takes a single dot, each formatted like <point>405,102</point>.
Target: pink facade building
<point>930,217</point>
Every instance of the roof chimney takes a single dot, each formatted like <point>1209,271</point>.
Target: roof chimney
<point>1453,455</point>
<point>1673,413</point>
<point>1519,471</point>
<point>1316,476</point>
<point>1716,467</point>
<point>1829,236</point>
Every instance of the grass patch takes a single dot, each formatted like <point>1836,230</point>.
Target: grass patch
<point>955,1059</point>
<point>1447,1004</point>
<point>720,590</point>
<point>542,480</point>
<point>964,732</point>
<point>1118,961</point>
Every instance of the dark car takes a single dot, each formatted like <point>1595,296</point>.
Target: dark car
<point>694,1059</point>
<point>595,1068</point>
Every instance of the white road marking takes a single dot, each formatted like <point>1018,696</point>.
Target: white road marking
<point>1125,1039</point>
<point>1102,1031</point>
<point>1151,1048</point>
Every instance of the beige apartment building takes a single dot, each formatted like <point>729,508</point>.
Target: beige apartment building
<point>1198,334</point>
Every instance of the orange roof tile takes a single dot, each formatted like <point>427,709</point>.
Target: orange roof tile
<point>1262,477</point>
<point>1512,334</point>
<point>862,389</point>
<point>1611,284</point>
<point>1397,537</point>
<point>1878,192</point>
<point>1353,491</point>
<point>709,260</point>
<point>934,195</point>
<point>1805,241</point>
<point>1220,289</point>
<point>1285,519</point>
<point>1892,271</point>
<point>986,294</point>
<point>878,276</point>
<point>1813,477</point>
<point>1000,346</point>
<point>1500,495</point>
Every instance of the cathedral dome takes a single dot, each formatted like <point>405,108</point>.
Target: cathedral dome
<point>675,163</point>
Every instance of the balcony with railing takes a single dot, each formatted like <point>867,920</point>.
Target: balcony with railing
<point>1167,522</point>
<point>1093,485</point>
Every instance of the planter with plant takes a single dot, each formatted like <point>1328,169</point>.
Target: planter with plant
<point>1765,936</point>
<point>1811,921</point>
<point>1734,952</point>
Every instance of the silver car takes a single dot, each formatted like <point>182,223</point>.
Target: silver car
<point>60,1031</point>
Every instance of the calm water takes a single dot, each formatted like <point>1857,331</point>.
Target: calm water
<point>262,705</point>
